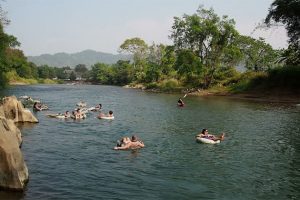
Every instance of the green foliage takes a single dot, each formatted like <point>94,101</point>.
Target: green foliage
<point>257,54</point>
<point>122,73</point>
<point>13,77</point>
<point>283,78</point>
<point>288,77</point>
<point>210,38</point>
<point>152,85</point>
<point>138,48</point>
<point>72,76</point>
<point>153,73</point>
<point>81,69</point>
<point>3,80</point>
<point>47,81</point>
<point>45,71</point>
<point>287,12</point>
<point>102,73</point>
<point>170,85</point>
<point>249,80</point>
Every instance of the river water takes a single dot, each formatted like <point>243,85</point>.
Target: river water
<point>67,159</point>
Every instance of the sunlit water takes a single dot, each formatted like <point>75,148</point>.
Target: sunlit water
<point>67,159</point>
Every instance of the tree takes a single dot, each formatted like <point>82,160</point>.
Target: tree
<point>101,73</point>
<point>6,41</point>
<point>168,61</point>
<point>258,55</point>
<point>122,73</point>
<point>80,68</point>
<point>139,49</point>
<point>288,13</point>
<point>209,37</point>
<point>72,76</point>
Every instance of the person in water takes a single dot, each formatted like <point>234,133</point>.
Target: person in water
<point>180,102</point>
<point>134,143</point>
<point>204,134</point>
<point>123,142</point>
<point>109,114</point>
<point>67,114</point>
<point>37,106</point>
<point>98,107</point>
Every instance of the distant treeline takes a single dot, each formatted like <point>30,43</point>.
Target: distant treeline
<point>205,52</point>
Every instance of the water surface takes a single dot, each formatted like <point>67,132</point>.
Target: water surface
<point>67,159</point>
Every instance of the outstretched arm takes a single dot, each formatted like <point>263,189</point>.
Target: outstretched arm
<point>127,146</point>
<point>141,144</point>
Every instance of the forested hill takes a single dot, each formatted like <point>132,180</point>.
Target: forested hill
<point>87,57</point>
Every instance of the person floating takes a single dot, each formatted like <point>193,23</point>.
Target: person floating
<point>204,134</point>
<point>127,143</point>
<point>109,115</point>
<point>96,108</point>
<point>67,114</point>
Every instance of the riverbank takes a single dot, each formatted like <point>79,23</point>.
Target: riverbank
<point>275,95</point>
<point>267,96</point>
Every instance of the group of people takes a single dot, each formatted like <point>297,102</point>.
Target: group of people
<point>77,114</point>
<point>127,143</point>
<point>133,143</point>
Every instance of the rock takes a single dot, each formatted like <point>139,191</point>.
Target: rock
<point>13,170</point>
<point>13,109</point>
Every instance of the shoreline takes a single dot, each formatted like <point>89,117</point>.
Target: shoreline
<point>279,97</point>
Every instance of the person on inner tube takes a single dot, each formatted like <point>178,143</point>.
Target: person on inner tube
<point>204,134</point>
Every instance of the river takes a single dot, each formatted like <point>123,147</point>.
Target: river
<point>67,159</point>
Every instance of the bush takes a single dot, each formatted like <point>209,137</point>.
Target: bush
<point>152,85</point>
<point>170,85</point>
<point>288,76</point>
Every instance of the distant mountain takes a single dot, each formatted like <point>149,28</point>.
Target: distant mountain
<point>87,57</point>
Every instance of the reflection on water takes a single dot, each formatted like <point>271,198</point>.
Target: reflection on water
<point>67,159</point>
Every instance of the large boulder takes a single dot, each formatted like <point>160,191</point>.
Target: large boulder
<point>14,109</point>
<point>13,170</point>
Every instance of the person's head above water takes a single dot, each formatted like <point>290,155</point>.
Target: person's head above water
<point>110,112</point>
<point>133,138</point>
<point>204,131</point>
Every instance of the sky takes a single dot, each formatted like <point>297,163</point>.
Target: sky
<point>53,26</point>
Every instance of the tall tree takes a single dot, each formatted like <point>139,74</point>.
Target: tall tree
<point>135,46</point>
<point>258,55</point>
<point>210,37</point>
<point>288,13</point>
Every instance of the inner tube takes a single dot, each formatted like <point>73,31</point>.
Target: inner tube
<point>207,141</point>
<point>106,117</point>
<point>56,116</point>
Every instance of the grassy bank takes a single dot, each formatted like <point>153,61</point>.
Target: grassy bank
<point>14,79</point>
<point>279,85</point>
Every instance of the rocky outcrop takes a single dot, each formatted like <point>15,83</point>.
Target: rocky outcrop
<point>13,109</point>
<point>13,170</point>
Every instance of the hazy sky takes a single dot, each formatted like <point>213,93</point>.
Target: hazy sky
<point>52,26</point>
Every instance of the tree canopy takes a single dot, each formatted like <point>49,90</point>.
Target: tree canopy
<point>287,12</point>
